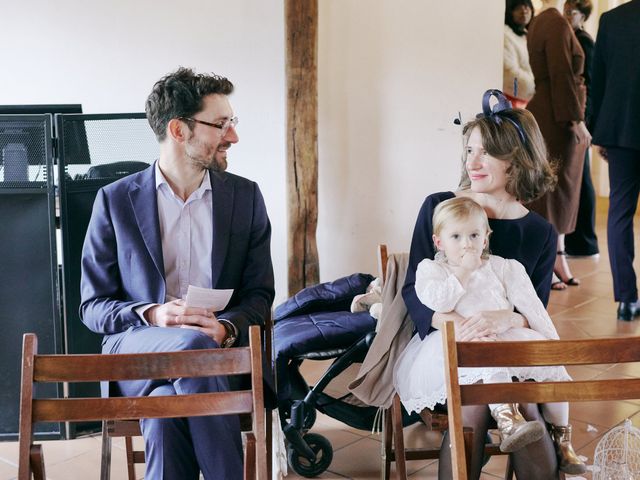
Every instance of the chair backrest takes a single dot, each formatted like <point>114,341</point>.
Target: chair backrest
<point>393,446</point>
<point>100,367</point>
<point>531,353</point>
<point>383,256</point>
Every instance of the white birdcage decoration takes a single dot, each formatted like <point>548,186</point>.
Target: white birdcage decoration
<point>617,455</point>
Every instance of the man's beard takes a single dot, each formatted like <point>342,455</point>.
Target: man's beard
<point>208,163</point>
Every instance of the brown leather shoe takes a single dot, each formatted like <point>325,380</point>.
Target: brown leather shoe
<point>515,430</point>
<point>568,460</point>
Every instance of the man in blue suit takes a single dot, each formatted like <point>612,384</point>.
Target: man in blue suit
<point>183,221</point>
<point>615,95</point>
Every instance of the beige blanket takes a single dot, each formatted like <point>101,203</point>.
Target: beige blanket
<point>374,382</point>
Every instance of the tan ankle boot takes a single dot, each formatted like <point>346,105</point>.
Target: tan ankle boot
<point>567,458</point>
<point>515,430</point>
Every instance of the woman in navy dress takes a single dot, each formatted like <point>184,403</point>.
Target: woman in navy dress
<point>505,166</point>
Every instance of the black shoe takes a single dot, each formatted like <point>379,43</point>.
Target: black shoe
<point>628,310</point>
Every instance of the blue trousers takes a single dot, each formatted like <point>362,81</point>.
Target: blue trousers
<point>624,186</point>
<point>181,448</point>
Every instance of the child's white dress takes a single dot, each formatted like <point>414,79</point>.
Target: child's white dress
<point>497,284</point>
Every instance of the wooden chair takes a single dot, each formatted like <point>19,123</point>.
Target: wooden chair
<point>393,448</point>
<point>532,353</point>
<point>99,367</point>
<point>131,428</point>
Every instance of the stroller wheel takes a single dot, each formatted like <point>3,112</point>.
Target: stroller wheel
<point>311,468</point>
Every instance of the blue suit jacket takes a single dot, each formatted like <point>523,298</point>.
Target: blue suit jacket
<point>615,78</point>
<point>122,262</point>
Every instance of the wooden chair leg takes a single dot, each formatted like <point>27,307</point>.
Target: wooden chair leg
<point>131,469</point>
<point>398,438</point>
<point>387,450</point>
<point>250,457</point>
<point>268,418</point>
<point>105,462</point>
<point>467,435</point>
<point>36,459</point>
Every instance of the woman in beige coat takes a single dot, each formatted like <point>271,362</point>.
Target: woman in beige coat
<point>517,79</point>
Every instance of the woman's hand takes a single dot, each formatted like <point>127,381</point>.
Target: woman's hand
<point>487,324</point>
<point>439,318</point>
<point>581,133</point>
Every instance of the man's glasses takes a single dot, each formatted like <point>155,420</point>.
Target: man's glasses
<point>223,125</point>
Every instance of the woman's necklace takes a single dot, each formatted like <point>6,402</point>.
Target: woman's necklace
<point>502,209</point>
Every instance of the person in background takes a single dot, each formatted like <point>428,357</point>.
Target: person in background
<point>518,83</point>
<point>557,62</point>
<point>583,241</point>
<point>615,119</point>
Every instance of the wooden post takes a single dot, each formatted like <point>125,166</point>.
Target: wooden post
<point>301,19</point>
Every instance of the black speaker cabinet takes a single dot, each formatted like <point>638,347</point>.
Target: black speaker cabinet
<point>29,300</point>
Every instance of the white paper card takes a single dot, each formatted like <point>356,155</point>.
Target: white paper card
<point>213,299</point>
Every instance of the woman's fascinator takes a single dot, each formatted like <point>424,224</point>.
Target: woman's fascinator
<point>500,111</point>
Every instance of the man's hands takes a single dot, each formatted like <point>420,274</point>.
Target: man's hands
<point>176,314</point>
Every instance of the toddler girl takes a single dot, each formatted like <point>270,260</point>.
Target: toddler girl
<point>465,279</point>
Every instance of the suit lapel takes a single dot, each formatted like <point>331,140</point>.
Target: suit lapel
<point>222,197</point>
<point>144,200</point>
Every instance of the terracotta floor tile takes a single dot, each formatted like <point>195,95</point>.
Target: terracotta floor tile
<point>361,460</point>
<point>568,330</point>
<point>626,369</point>
<point>8,470</point>
<point>570,296</point>
<point>583,433</point>
<point>497,466</point>
<point>9,452</point>
<point>603,414</point>
<point>429,472</point>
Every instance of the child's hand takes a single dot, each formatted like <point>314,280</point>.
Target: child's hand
<point>471,260</point>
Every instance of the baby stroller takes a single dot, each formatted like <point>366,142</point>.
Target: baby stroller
<point>317,324</point>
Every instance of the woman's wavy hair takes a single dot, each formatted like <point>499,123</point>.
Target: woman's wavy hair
<point>530,174</point>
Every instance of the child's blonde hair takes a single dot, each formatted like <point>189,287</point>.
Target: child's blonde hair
<point>460,208</point>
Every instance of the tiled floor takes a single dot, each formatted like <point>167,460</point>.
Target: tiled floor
<point>578,312</point>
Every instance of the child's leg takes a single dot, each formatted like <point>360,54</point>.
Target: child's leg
<point>556,413</point>
<point>516,432</point>
<point>498,376</point>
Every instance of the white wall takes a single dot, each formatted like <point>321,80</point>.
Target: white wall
<point>392,77</point>
<point>107,55</point>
